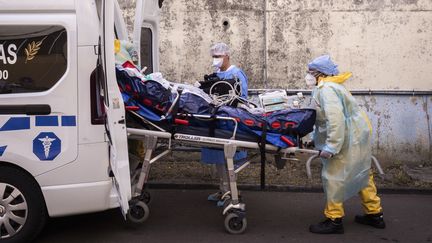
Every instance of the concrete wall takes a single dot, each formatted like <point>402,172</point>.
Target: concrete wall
<point>387,44</point>
<point>401,127</point>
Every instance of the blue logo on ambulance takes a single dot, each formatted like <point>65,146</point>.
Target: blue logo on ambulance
<point>46,146</point>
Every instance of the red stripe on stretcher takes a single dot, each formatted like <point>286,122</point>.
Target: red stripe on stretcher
<point>147,102</point>
<point>181,122</point>
<point>249,122</point>
<point>276,125</point>
<point>132,108</point>
<point>287,141</point>
<point>290,124</point>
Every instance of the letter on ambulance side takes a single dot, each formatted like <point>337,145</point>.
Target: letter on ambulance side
<point>116,127</point>
<point>146,34</point>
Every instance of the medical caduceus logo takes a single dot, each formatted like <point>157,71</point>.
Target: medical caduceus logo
<point>46,146</point>
<point>46,143</point>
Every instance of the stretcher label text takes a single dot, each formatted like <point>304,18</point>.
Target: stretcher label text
<point>200,139</point>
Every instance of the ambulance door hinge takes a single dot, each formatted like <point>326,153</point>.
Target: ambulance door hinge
<point>110,173</point>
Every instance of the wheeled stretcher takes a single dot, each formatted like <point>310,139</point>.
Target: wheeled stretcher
<point>164,117</point>
<point>163,122</point>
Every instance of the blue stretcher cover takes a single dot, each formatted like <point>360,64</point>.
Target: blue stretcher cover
<point>282,128</point>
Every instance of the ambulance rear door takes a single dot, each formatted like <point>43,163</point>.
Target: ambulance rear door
<point>114,107</point>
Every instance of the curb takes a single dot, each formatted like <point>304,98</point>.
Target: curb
<point>278,188</point>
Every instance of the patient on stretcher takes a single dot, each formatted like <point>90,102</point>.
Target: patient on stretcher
<point>181,106</point>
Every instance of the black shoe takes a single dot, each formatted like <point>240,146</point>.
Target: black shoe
<point>374,220</point>
<point>328,226</point>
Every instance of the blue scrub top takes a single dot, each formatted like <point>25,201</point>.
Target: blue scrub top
<point>234,72</point>
<point>216,156</point>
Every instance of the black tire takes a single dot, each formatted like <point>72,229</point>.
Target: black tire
<point>235,224</point>
<point>138,213</point>
<point>36,215</point>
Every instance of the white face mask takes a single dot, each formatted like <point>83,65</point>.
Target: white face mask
<point>217,62</point>
<point>310,80</point>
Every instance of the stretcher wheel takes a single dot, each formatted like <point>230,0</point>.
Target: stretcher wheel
<point>235,223</point>
<point>138,212</point>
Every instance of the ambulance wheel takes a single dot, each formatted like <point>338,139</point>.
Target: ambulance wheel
<point>235,223</point>
<point>138,212</point>
<point>22,208</point>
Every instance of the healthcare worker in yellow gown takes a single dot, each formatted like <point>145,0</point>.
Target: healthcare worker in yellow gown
<point>343,134</point>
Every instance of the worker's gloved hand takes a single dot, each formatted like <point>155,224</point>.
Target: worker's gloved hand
<point>309,144</point>
<point>326,155</point>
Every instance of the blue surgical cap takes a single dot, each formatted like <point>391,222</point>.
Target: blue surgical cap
<point>325,65</point>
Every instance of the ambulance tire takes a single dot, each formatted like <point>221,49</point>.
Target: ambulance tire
<point>28,188</point>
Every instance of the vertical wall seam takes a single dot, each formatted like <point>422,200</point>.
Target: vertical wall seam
<point>265,45</point>
<point>429,127</point>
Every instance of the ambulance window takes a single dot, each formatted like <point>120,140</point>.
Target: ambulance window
<point>146,47</point>
<point>33,58</point>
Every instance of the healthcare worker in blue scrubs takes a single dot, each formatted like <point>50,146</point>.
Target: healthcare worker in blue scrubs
<point>220,53</point>
<point>343,135</point>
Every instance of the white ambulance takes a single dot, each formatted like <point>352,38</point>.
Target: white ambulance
<point>63,141</point>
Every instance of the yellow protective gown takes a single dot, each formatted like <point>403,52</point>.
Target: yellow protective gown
<point>344,130</point>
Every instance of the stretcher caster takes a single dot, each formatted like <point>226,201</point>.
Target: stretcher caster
<point>145,197</point>
<point>138,213</point>
<point>235,223</point>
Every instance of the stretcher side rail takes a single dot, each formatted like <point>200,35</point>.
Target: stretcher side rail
<point>375,161</point>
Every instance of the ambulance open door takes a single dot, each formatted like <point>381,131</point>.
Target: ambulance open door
<point>114,107</point>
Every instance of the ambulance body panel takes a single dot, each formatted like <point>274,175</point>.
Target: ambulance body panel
<point>62,118</point>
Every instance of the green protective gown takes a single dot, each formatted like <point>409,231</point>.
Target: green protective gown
<point>344,130</point>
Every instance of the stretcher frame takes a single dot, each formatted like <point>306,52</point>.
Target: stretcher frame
<point>151,138</point>
<point>232,204</point>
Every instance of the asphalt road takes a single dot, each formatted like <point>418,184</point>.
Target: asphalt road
<point>186,216</point>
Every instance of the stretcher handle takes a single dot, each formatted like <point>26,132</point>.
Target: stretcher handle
<point>178,93</point>
<point>309,173</point>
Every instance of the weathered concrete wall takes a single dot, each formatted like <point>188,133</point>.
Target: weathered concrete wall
<point>188,28</point>
<point>401,127</point>
<point>387,44</point>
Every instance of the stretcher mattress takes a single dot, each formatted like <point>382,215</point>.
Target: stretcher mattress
<point>153,100</point>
